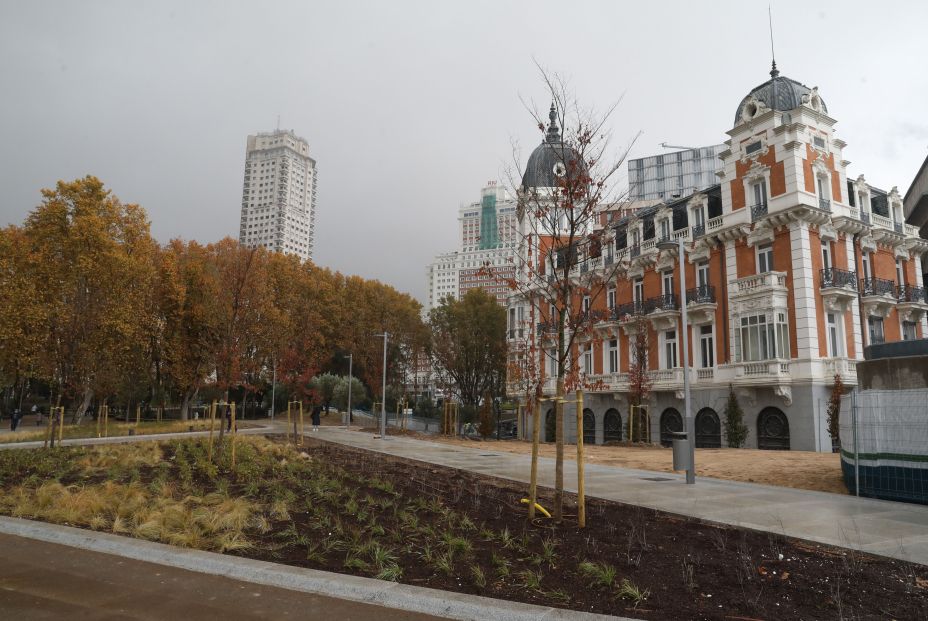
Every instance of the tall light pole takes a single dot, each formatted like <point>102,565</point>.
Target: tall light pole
<point>383,394</point>
<point>687,412</point>
<point>350,381</point>
<point>274,388</point>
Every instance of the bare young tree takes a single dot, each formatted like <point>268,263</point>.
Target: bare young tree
<point>564,256</point>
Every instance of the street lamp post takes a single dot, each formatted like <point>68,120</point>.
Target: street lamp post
<point>383,394</point>
<point>687,412</point>
<point>350,381</point>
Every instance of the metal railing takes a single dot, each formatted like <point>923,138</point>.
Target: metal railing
<point>758,211</point>
<point>637,307</point>
<point>897,226</point>
<point>668,301</point>
<point>864,217</point>
<point>911,293</point>
<point>824,204</point>
<point>635,250</point>
<point>699,230</point>
<point>834,277</point>
<point>703,294</point>
<point>877,286</point>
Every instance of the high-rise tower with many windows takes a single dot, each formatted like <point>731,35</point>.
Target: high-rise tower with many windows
<point>279,194</point>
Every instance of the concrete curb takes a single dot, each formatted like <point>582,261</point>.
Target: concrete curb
<point>353,588</point>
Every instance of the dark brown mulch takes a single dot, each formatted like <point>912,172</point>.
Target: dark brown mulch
<point>692,570</point>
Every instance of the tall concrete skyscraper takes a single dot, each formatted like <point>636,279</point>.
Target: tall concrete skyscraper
<point>279,194</point>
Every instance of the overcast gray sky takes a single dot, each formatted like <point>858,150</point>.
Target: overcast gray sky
<point>410,107</point>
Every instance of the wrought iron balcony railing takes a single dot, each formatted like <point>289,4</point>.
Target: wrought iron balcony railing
<point>864,217</point>
<point>897,226</point>
<point>824,204</point>
<point>834,277</point>
<point>699,230</point>
<point>703,294</point>
<point>758,211</point>
<point>629,308</point>
<point>668,301</point>
<point>877,286</point>
<point>911,293</point>
<point>635,250</point>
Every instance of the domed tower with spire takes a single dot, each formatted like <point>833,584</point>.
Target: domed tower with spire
<point>552,160</point>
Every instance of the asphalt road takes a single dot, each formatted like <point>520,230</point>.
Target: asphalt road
<point>41,580</point>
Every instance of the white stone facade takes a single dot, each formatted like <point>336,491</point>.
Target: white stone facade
<point>279,194</point>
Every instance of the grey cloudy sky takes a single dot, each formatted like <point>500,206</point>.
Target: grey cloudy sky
<point>410,107</point>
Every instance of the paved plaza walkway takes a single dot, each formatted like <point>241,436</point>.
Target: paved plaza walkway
<point>893,529</point>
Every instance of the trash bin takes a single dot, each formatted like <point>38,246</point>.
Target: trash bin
<point>681,451</point>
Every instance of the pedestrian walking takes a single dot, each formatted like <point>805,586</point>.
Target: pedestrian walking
<point>228,415</point>
<point>317,412</point>
<point>14,420</point>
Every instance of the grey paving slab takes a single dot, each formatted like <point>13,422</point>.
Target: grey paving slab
<point>897,530</point>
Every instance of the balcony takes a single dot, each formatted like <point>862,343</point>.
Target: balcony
<point>877,296</point>
<point>844,367</point>
<point>759,284</point>
<point>700,304</point>
<point>758,211</point>
<point>666,379</point>
<point>839,288</point>
<point>824,204</point>
<point>912,302</point>
<point>864,217</point>
<point>699,230</point>
<point>663,311</point>
<point>774,374</point>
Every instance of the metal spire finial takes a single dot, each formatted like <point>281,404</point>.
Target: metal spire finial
<point>554,133</point>
<point>774,72</point>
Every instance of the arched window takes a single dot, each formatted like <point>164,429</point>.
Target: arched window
<point>671,421</point>
<point>772,430</point>
<point>708,429</point>
<point>612,426</point>
<point>589,427</point>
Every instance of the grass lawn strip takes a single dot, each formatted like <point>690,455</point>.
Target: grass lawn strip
<point>115,430</point>
<point>342,509</point>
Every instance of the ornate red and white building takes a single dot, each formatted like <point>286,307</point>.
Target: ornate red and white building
<point>792,269</point>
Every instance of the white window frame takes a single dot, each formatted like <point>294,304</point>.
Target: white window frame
<point>638,290</point>
<point>872,322</point>
<point>702,274</point>
<point>707,345</point>
<point>610,298</point>
<point>759,192</point>
<point>903,325</point>
<point>765,250</point>
<point>900,273</point>
<point>669,349</point>
<point>612,355</point>
<point>588,359</point>
<point>667,282</point>
<point>827,262</point>
<point>865,264</point>
<point>834,335</point>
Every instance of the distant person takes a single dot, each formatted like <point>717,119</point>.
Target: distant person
<point>228,415</point>
<point>317,412</point>
<point>14,420</point>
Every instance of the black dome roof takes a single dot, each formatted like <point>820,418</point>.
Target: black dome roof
<point>777,93</point>
<point>540,169</point>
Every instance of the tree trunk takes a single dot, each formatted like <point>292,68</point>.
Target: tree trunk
<point>189,396</point>
<point>82,407</point>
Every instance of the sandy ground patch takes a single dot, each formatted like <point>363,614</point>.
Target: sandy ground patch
<point>798,469</point>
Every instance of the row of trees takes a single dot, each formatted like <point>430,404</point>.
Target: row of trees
<point>94,309</point>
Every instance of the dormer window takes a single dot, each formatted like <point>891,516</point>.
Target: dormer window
<point>754,147</point>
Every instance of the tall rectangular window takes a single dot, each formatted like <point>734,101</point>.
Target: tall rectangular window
<point>613,356</point>
<point>834,338</point>
<point>826,255</point>
<point>763,339</point>
<point>665,228</point>
<point>900,273</point>
<point>667,283</point>
<point>865,265</point>
<point>702,274</point>
<point>760,192</point>
<point>699,216</point>
<point>876,330</point>
<point>588,359</point>
<point>908,331</point>
<point>764,258</point>
<point>706,347</point>
<point>586,304</point>
<point>670,349</point>
<point>610,298</point>
<point>638,290</point>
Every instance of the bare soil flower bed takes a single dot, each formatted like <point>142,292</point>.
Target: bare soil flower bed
<point>347,510</point>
